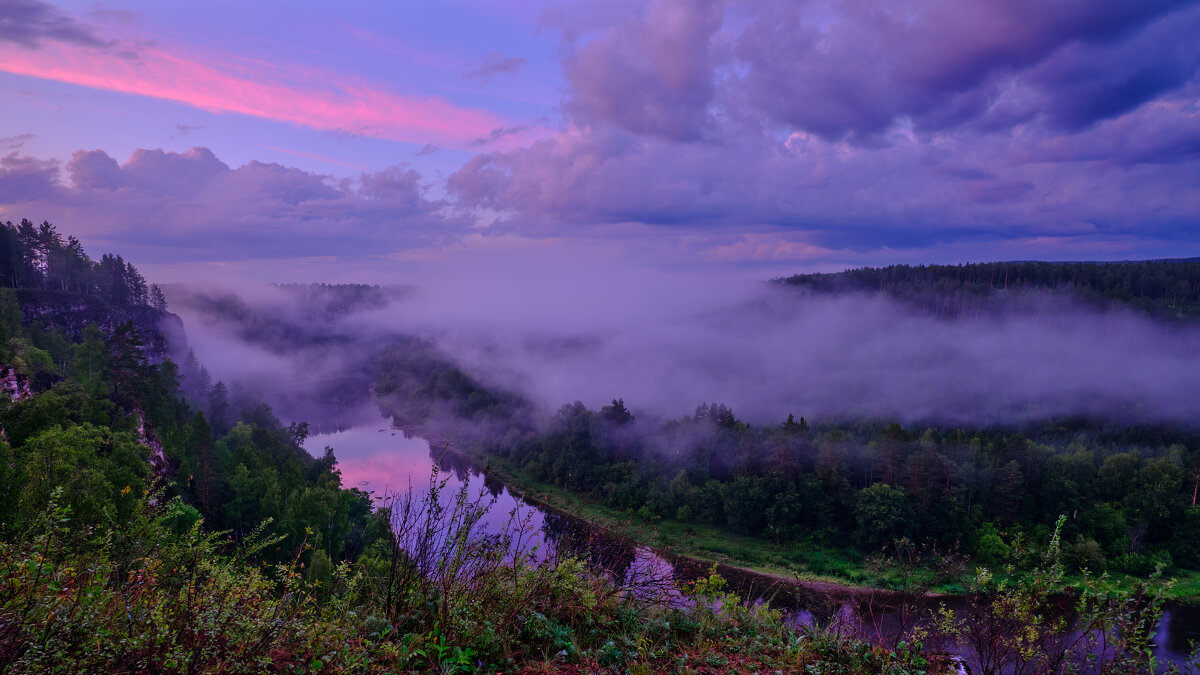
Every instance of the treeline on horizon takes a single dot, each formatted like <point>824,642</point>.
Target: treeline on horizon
<point>1161,288</point>
<point>37,256</point>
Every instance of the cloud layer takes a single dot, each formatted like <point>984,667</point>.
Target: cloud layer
<point>737,131</point>
<point>40,41</point>
<point>868,124</point>
<point>176,207</point>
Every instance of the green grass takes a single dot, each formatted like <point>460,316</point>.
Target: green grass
<point>797,561</point>
<point>803,561</point>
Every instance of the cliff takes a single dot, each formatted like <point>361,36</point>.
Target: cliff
<point>71,312</point>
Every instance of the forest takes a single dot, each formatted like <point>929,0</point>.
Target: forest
<point>1128,489</point>
<point>36,256</point>
<point>1128,494</point>
<point>153,520</point>
<point>145,529</point>
<point>1167,289</point>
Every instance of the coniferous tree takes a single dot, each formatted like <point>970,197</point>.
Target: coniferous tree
<point>127,361</point>
<point>157,299</point>
<point>136,283</point>
<point>218,407</point>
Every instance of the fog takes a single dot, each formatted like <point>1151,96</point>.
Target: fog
<point>665,342</point>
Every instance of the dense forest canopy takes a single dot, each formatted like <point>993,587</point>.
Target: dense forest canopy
<point>1164,288</point>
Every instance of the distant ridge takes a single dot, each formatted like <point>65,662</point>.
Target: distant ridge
<point>1164,288</point>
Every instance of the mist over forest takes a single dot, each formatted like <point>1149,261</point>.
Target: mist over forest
<point>544,336</point>
<point>667,343</point>
<point>814,421</point>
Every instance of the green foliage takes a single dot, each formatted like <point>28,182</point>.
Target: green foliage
<point>37,256</point>
<point>990,547</point>
<point>881,512</point>
<point>1015,620</point>
<point>241,553</point>
<point>870,483</point>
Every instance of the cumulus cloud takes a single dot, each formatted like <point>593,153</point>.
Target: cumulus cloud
<point>95,170</point>
<point>191,206</point>
<point>650,75</point>
<point>856,69</point>
<point>904,195</point>
<point>863,125</point>
<point>27,179</point>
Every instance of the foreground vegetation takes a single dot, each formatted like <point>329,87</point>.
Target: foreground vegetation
<point>138,536</point>
<point>141,531</point>
<point>153,593</point>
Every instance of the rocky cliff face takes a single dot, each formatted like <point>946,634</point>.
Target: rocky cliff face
<point>72,312</point>
<point>158,459</point>
<point>15,385</point>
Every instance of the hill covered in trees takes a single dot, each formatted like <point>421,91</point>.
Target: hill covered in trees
<point>1162,288</point>
<point>816,498</point>
<point>137,535</point>
<point>141,531</point>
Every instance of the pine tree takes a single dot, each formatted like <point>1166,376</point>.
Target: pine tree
<point>157,299</point>
<point>218,407</point>
<point>127,360</point>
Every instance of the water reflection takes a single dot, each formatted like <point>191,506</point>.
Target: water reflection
<point>1178,634</point>
<point>374,456</point>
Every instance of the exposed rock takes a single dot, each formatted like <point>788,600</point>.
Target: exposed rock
<point>14,384</point>
<point>146,436</point>
<point>71,312</point>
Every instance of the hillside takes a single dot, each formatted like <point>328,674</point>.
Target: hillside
<point>1162,288</point>
<point>136,535</point>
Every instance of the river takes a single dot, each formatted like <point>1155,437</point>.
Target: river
<point>376,457</point>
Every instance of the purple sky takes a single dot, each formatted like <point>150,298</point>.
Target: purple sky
<point>363,141</point>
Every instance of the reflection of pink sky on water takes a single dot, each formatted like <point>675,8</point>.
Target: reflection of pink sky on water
<point>385,462</point>
<point>379,459</point>
<point>375,457</point>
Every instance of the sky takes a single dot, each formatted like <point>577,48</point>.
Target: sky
<point>316,141</point>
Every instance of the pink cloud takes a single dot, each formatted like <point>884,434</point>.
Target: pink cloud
<point>764,246</point>
<point>317,158</point>
<point>309,97</point>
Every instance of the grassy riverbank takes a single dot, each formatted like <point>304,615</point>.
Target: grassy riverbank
<point>804,563</point>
